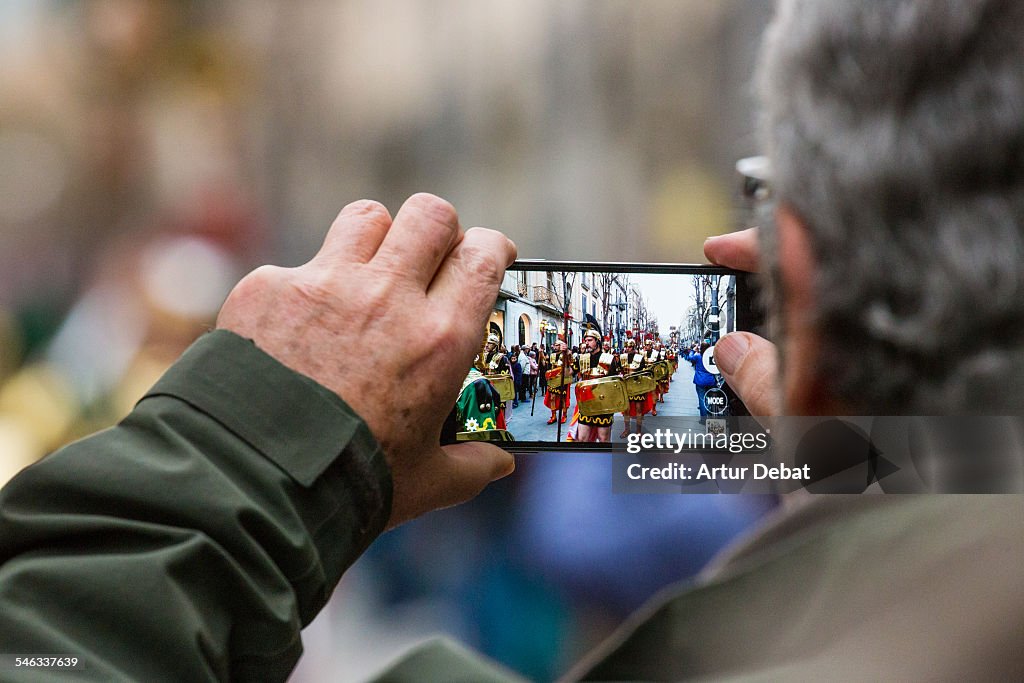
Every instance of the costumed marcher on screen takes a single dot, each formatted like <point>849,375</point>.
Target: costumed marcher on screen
<point>633,362</point>
<point>594,363</point>
<point>665,384</point>
<point>491,361</point>
<point>477,407</point>
<point>574,423</point>
<point>559,361</point>
<point>650,358</point>
<point>672,356</point>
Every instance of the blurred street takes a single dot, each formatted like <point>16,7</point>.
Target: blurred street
<point>156,151</point>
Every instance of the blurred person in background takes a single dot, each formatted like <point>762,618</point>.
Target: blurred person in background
<point>147,301</point>
<point>120,234</point>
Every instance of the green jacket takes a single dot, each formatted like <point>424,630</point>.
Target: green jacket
<point>195,539</point>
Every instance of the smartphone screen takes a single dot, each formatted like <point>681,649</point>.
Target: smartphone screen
<point>583,355</point>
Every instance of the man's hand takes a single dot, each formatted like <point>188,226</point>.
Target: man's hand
<point>389,315</point>
<point>748,362</point>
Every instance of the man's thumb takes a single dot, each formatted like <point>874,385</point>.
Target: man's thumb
<point>472,465</point>
<point>749,364</point>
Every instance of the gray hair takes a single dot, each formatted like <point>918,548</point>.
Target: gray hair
<point>896,134</point>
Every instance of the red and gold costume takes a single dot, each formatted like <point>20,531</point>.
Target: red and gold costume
<point>594,365</point>
<point>558,397</point>
<point>633,362</point>
<point>663,385</point>
<point>673,358</point>
<point>650,358</point>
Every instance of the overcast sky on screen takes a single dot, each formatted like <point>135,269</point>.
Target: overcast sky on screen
<point>669,296</point>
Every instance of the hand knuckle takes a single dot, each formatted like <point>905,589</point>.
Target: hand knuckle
<point>436,209</point>
<point>503,248</point>
<point>481,264</point>
<point>448,324</point>
<point>376,292</point>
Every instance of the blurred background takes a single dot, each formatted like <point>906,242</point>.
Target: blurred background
<point>153,152</point>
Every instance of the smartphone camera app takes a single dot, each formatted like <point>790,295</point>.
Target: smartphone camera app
<point>584,355</point>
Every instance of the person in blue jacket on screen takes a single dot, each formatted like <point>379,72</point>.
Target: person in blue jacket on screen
<point>702,379</point>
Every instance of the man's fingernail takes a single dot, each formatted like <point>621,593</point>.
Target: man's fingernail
<point>509,468</point>
<point>707,242</point>
<point>729,352</point>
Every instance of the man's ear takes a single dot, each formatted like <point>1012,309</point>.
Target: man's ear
<point>804,390</point>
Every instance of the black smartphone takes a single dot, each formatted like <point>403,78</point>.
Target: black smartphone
<point>584,356</point>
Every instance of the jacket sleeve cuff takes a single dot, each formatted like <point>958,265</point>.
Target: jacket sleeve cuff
<point>291,419</point>
<point>305,429</point>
